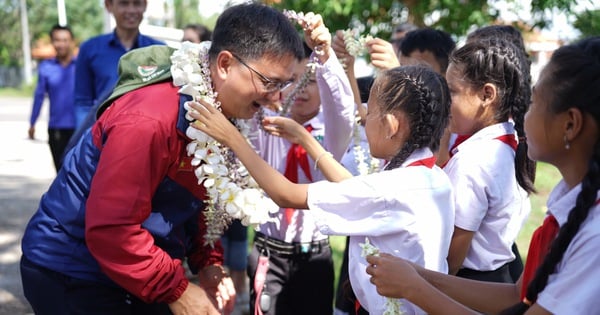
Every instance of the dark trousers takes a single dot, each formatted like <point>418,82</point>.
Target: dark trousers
<point>58,140</point>
<point>296,284</point>
<point>345,300</point>
<point>53,293</point>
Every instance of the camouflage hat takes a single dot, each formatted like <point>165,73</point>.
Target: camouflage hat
<point>140,67</point>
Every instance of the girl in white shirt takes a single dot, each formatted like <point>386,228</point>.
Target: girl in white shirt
<point>490,172</point>
<point>563,129</point>
<point>405,209</point>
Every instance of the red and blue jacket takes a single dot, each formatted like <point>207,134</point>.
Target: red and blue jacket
<point>126,207</point>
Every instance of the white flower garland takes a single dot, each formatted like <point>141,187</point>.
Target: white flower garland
<point>231,192</point>
<point>360,156</point>
<point>392,306</point>
<point>356,44</point>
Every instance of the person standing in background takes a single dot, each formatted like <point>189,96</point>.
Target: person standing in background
<point>96,72</point>
<point>196,33</point>
<point>56,78</point>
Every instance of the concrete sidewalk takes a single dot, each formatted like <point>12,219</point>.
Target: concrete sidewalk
<point>26,170</point>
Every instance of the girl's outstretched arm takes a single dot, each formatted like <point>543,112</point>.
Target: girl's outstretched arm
<point>283,192</point>
<point>296,133</point>
<point>438,293</point>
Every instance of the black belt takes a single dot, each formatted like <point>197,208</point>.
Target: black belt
<point>295,248</point>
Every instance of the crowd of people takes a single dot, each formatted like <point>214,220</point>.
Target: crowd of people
<point>427,167</point>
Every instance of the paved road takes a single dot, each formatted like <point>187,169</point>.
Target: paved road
<point>26,170</point>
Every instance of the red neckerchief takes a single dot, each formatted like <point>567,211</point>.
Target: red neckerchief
<point>296,157</point>
<point>538,248</point>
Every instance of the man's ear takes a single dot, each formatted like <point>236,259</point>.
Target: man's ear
<point>223,64</point>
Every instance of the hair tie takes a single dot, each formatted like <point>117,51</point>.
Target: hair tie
<point>522,139</point>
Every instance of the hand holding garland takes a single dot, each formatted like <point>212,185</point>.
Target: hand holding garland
<point>212,122</point>
<point>440,293</point>
<point>296,133</point>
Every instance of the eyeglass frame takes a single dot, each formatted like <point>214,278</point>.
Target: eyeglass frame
<point>269,85</point>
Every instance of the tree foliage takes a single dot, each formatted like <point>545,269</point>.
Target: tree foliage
<point>377,17</point>
<point>84,17</point>
<point>588,23</point>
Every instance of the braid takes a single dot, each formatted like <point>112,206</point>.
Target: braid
<point>572,76</point>
<point>501,63</point>
<point>423,96</point>
<point>584,203</point>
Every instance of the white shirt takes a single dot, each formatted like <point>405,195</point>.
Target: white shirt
<point>488,198</point>
<point>575,286</point>
<point>337,113</point>
<point>407,212</point>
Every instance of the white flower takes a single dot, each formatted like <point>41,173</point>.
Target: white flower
<point>230,190</point>
<point>392,306</point>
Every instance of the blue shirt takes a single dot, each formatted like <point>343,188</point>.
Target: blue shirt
<point>58,82</point>
<point>97,69</point>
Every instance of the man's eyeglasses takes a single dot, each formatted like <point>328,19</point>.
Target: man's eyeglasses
<point>269,85</point>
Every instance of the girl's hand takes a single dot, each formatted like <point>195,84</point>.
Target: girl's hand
<point>382,54</point>
<point>286,128</point>
<point>317,35</point>
<point>212,122</point>
<point>393,276</point>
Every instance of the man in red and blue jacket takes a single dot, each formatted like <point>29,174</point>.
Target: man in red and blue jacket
<point>125,209</point>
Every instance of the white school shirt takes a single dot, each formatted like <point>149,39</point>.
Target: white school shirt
<point>337,113</point>
<point>488,198</point>
<point>575,285</point>
<point>407,212</point>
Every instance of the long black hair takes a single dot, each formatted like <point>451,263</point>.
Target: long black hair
<point>574,78</point>
<point>499,62</point>
<point>422,94</point>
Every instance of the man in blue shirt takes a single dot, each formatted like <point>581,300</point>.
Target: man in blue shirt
<point>56,77</point>
<point>99,56</point>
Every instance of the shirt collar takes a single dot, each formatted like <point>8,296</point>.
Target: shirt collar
<point>418,154</point>
<point>562,200</point>
<point>489,132</point>
<point>114,40</point>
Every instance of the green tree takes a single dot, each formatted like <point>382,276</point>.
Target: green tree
<point>378,16</point>
<point>84,17</point>
<point>588,23</point>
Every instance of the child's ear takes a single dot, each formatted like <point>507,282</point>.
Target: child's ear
<point>392,125</point>
<point>573,123</point>
<point>489,94</point>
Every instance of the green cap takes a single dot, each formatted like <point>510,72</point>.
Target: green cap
<point>140,67</point>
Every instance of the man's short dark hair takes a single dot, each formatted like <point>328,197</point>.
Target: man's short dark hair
<point>58,27</point>
<point>203,32</point>
<point>253,30</point>
<point>438,42</point>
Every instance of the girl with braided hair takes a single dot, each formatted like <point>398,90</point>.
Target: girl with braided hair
<point>561,275</point>
<point>490,172</point>
<point>405,209</point>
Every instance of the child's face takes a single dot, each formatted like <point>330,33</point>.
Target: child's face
<point>466,111</point>
<point>386,133</point>
<point>307,102</point>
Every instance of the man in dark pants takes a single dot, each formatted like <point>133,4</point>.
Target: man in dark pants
<point>56,78</point>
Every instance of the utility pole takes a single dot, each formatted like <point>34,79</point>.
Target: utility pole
<point>62,12</point>
<point>26,45</point>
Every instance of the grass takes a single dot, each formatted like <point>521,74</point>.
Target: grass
<point>547,176</point>
<point>25,91</point>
